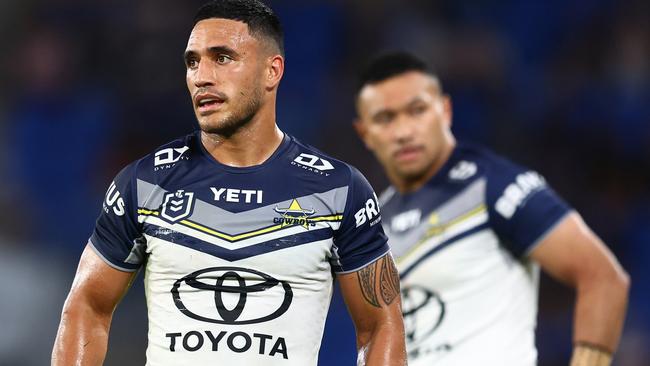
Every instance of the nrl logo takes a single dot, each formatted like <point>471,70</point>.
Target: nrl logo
<point>294,215</point>
<point>177,205</point>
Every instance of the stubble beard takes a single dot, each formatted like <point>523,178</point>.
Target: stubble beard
<point>241,116</point>
<point>413,173</point>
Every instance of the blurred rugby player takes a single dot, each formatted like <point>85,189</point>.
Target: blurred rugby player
<point>469,230</point>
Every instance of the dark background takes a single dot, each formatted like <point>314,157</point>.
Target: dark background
<point>87,86</point>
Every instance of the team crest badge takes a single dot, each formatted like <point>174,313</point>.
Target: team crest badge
<point>177,205</point>
<point>294,215</point>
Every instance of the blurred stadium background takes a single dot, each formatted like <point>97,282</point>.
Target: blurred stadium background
<point>560,85</point>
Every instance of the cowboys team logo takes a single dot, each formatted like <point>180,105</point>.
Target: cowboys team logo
<point>294,215</point>
<point>177,205</point>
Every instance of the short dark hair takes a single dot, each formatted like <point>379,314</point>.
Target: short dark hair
<point>261,19</point>
<point>391,64</point>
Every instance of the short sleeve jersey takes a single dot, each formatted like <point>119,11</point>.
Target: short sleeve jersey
<point>238,261</point>
<point>469,292</point>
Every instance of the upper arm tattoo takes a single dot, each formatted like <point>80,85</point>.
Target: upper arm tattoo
<point>389,281</point>
<point>379,277</point>
<point>367,281</point>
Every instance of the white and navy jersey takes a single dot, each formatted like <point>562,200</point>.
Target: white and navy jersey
<point>469,293</point>
<point>238,261</point>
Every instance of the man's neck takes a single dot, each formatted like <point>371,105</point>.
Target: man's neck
<point>249,146</point>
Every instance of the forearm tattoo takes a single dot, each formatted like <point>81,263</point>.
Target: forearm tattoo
<point>381,277</point>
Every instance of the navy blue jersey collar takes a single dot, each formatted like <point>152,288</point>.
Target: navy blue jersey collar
<point>284,145</point>
<point>443,172</point>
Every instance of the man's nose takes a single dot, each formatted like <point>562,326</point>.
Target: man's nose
<point>205,75</point>
<point>403,126</point>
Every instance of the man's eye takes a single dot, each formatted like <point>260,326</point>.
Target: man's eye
<point>191,64</point>
<point>417,110</point>
<point>383,118</point>
<point>223,59</point>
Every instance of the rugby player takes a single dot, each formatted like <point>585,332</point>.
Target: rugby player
<point>469,230</point>
<point>238,227</point>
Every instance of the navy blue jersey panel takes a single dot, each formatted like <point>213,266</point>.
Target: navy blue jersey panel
<point>294,170</point>
<point>117,227</point>
<point>361,237</point>
<point>521,206</point>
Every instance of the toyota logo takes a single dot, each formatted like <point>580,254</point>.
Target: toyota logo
<point>228,288</point>
<point>423,312</point>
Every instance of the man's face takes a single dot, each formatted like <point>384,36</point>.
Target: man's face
<point>225,65</point>
<point>405,121</point>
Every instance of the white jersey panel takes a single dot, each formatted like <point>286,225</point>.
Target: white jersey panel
<point>481,315</point>
<point>301,296</point>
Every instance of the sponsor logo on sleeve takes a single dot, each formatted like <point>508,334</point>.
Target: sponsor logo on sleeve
<point>517,193</point>
<point>370,212</point>
<point>114,201</point>
<point>313,163</point>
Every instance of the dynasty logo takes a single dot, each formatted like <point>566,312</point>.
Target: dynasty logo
<point>313,164</point>
<point>167,158</point>
<point>231,296</point>
<point>294,215</point>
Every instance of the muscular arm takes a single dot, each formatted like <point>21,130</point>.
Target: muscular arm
<point>82,337</point>
<point>573,254</point>
<point>373,298</point>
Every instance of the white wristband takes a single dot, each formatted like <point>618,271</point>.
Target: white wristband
<point>585,354</point>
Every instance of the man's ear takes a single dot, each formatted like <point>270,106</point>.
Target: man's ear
<point>361,130</point>
<point>274,71</point>
<point>447,107</point>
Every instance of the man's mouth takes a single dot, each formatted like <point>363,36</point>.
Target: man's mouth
<point>406,154</point>
<point>208,103</point>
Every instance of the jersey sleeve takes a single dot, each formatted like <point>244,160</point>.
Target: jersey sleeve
<point>360,240</point>
<point>117,237</point>
<point>522,208</point>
